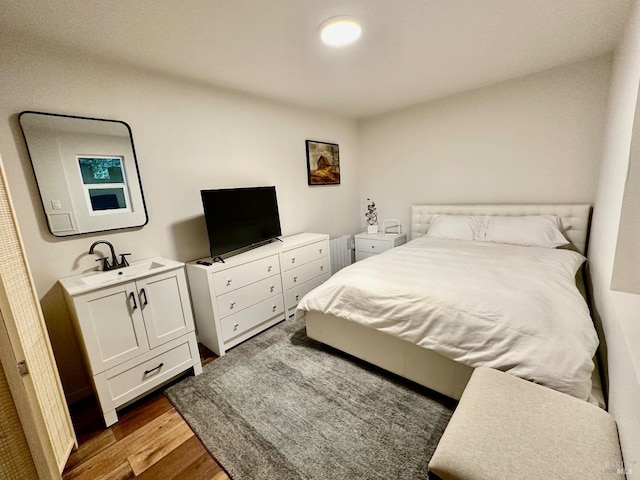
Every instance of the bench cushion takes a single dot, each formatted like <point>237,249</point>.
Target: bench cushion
<point>508,428</point>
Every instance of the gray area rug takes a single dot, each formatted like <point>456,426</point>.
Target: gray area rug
<point>282,406</point>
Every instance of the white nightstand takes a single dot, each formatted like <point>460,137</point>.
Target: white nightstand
<point>367,245</point>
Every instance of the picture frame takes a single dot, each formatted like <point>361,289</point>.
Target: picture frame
<point>391,226</point>
<point>323,163</point>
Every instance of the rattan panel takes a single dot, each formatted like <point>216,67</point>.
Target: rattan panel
<point>23,316</point>
<point>15,458</point>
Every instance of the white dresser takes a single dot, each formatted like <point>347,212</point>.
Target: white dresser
<point>254,290</point>
<point>368,245</point>
<point>135,327</point>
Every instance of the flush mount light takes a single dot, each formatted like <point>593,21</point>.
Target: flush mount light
<point>340,31</point>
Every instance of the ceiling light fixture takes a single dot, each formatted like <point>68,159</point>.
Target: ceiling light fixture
<point>340,31</point>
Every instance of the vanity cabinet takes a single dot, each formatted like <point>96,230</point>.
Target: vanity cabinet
<point>136,331</point>
<point>254,290</point>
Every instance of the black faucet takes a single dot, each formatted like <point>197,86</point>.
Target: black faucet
<point>114,259</point>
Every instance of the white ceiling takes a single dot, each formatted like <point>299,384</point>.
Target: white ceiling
<point>410,51</point>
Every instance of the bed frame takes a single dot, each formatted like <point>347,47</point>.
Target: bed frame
<point>406,359</point>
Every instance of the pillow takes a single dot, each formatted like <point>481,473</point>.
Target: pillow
<point>529,231</point>
<point>456,227</point>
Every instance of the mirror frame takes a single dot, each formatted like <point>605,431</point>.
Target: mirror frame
<point>113,221</point>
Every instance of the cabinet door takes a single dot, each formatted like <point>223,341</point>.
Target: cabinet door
<point>112,325</point>
<point>165,306</point>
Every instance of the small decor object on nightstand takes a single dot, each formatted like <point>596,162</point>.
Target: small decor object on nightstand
<point>323,163</point>
<point>391,227</point>
<point>372,218</point>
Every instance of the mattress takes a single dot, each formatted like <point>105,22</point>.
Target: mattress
<point>513,308</point>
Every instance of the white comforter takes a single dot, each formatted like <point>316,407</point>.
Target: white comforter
<point>516,309</point>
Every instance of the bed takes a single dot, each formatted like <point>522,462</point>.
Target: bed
<point>345,317</point>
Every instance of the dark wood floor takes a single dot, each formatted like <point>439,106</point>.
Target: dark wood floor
<point>150,441</point>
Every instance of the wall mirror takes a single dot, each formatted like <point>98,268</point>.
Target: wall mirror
<point>86,171</point>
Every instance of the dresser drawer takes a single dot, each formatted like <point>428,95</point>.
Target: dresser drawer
<point>372,246</point>
<point>308,253</point>
<point>240,322</point>
<point>306,272</point>
<point>294,295</point>
<point>128,384</point>
<point>237,277</point>
<point>244,297</point>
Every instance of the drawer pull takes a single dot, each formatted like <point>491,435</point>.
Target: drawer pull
<point>320,250</point>
<point>273,309</point>
<point>269,268</point>
<point>297,297</point>
<point>373,246</point>
<point>147,372</point>
<point>228,282</point>
<point>293,260</point>
<point>144,294</point>
<point>321,267</point>
<point>295,279</point>
<point>231,305</point>
<point>235,327</point>
<point>271,288</point>
<point>133,298</point>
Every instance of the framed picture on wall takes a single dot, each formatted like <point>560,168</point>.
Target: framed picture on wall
<point>323,163</point>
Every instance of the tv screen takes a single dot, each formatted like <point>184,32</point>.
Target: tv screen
<point>238,218</point>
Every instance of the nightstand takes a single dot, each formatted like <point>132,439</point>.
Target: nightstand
<point>368,245</point>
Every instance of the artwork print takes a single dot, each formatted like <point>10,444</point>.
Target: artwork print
<point>323,163</point>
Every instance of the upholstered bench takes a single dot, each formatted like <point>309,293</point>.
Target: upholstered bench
<point>508,428</point>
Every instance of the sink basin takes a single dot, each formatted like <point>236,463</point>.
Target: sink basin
<point>131,271</point>
<point>94,280</point>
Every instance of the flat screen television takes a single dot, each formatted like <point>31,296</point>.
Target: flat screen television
<point>240,218</point>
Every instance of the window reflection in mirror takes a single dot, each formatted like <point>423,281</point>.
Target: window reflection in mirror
<point>87,172</point>
<point>104,183</point>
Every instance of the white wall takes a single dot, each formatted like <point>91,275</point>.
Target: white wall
<point>533,139</point>
<point>626,267</point>
<point>619,312</point>
<point>187,137</point>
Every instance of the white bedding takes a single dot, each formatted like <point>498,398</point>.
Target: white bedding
<point>513,308</point>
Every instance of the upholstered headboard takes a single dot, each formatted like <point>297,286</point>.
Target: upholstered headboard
<point>575,217</point>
